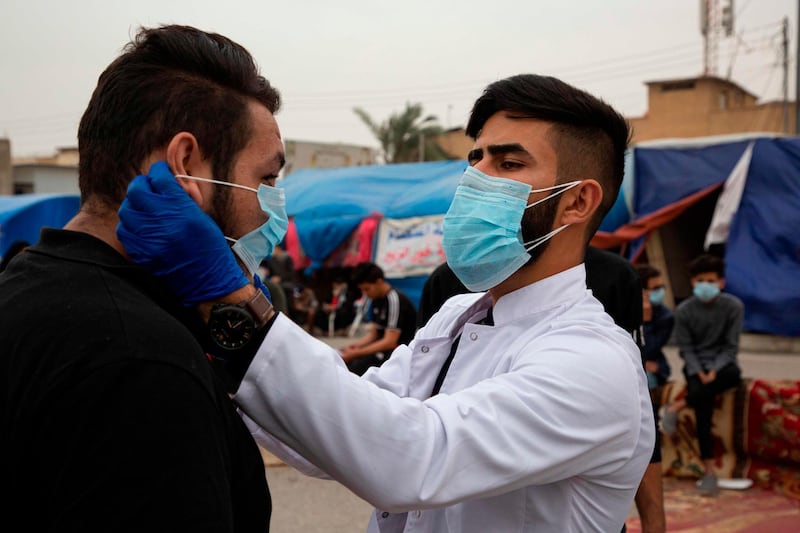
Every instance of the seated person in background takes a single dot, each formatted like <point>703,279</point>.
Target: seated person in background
<point>339,312</point>
<point>657,324</point>
<point>707,329</point>
<point>393,320</point>
<point>277,295</point>
<point>304,305</point>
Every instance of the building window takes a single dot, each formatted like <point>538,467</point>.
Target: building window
<point>23,188</point>
<point>723,100</point>
<point>677,86</point>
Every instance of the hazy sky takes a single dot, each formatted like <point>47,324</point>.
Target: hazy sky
<point>328,56</point>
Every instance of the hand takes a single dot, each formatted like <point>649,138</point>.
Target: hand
<point>166,232</point>
<point>706,377</point>
<point>647,307</point>
<point>651,366</point>
<point>349,353</point>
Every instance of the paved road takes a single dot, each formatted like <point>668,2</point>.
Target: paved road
<point>301,504</point>
<point>308,505</point>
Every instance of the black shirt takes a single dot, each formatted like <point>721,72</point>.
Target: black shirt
<point>615,282</point>
<point>395,311</point>
<point>612,279</point>
<point>111,419</point>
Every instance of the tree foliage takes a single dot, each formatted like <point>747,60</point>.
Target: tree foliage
<point>403,133</point>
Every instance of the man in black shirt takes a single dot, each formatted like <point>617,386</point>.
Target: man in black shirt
<point>110,416</point>
<point>393,320</point>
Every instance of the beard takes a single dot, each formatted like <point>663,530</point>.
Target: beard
<point>221,209</point>
<point>536,222</point>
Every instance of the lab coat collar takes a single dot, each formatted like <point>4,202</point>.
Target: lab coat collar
<point>545,294</point>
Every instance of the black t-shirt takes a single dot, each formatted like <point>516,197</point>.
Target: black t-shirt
<point>111,418</point>
<point>395,311</point>
<point>440,285</point>
<point>615,282</point>
<point>612,279</point>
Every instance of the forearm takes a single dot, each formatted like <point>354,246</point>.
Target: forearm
<point>683,338</point>
<point>650,500</point>
<point>352,429</point>
<point>380,345</point>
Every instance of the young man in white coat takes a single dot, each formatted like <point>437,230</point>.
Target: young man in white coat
<point>521,408</point>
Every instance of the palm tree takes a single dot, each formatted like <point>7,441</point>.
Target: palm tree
<point>406,136</point>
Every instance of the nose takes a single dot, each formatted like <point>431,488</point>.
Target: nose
<point>482,165</point>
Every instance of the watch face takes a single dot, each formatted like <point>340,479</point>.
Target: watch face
<point>231,327</point>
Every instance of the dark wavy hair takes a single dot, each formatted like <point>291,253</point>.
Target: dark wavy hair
<point>589,136</point>
<point>168,79</point>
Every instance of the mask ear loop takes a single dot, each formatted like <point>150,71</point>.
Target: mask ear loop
<point>563,186</point>
<point>539,240</point>
<point>218,182</point>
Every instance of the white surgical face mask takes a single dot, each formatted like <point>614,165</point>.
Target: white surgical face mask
<point>482,229</point>
<point>258,244</point>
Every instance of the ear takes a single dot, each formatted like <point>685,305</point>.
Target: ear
<point>183,157</point>
<point>721,283</point>
<point>581,202</point>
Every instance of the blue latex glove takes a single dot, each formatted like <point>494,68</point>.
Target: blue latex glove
<point>263,288</point>
<point>166,232</point>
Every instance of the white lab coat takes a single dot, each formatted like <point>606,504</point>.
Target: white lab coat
<point>543,422</point>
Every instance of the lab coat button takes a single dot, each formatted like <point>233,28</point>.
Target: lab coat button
<point>424,349</point>
<point>473,336</point>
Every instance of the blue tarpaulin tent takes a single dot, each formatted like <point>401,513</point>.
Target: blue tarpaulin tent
<point>762,253</point>
<point>23,216</point>
<point>327,205</point>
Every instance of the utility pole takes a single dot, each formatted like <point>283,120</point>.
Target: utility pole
<point>716,19</point>
<point>785,51</point>
<point>797,75</point>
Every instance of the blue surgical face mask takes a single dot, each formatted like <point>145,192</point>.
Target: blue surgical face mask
<point>705,291</point>
<point>482,229</point>
<point>656,296</point>
<point>258,244</point>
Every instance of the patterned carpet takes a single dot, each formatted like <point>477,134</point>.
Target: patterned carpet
<point>755,510</point>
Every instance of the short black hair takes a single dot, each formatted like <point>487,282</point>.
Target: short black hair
<point>367,273</point>
<point>707,263</point>
<point>589,136</point>
<point>646,273</point>
<point>168,79</point>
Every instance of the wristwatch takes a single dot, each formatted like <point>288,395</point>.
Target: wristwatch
<point>232,326</point>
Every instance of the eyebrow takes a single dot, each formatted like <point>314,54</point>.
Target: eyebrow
<point>498,149</point>
<point>281,159</point>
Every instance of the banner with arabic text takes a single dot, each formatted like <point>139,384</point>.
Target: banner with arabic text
<point>409,246</point>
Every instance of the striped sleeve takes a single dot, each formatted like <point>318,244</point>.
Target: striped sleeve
<point>393,315</point>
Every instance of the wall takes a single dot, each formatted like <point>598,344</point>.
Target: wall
<point>303,154</point>
<point>700,107</point>
<point>45,179</point>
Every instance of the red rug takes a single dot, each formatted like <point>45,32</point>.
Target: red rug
<point>755,510</point>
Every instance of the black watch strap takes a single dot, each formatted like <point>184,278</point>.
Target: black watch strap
<point>260,307</point>
<point>231,365</point>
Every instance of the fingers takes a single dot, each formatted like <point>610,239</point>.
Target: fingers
<point>163,180</point>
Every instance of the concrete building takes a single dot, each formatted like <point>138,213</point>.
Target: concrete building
<point>6,180</point>
<point>304,154</point>
<point>455,143</point>
<point>704,106</point>
<point>57,174</point>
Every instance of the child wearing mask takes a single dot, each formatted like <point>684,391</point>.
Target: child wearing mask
<point>657,325</point>
<point>707,329</point>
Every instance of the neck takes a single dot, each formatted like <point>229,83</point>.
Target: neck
<point>99,221</point>
<point>555,259</point>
